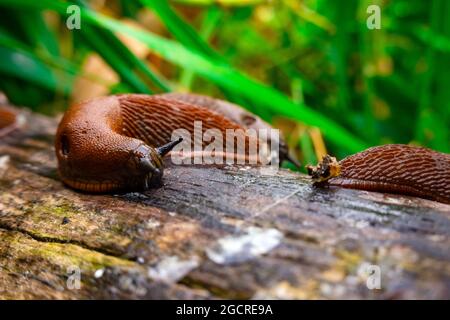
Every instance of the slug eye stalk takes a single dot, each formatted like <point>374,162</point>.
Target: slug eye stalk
<point>166,148</point>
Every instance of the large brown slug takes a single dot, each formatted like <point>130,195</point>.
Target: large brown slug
<point>106,144</point>
<point>392,168</point>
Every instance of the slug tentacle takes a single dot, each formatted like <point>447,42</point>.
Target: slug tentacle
<point>165,149</point>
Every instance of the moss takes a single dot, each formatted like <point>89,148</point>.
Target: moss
<point>55,208</point>
<point>66,255</point>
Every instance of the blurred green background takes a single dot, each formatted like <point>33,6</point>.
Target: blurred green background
<point>312,67</point>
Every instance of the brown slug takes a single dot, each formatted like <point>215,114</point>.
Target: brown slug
<point>107,144</point>
<point>392,168</point>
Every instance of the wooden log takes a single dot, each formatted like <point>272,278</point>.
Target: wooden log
<point>210,233</point>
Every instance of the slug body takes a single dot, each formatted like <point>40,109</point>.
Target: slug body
<point>397,168</point>
<point>107,144</point>
<point>235,113</point>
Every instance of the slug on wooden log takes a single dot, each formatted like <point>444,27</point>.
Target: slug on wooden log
<point>392,168</point>
<point>107,144</point>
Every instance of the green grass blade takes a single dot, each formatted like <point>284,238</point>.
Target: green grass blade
<point>118,54</point>
<point>210,22</point>
<point>37,31</point>
<point>100,46</point>
<point>182,31</point>
<point>26,66</point>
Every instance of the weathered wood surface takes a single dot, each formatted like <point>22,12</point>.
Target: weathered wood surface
<point>182,240</point>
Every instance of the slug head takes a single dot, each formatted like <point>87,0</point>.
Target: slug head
<point>144,168</point>
<point>146,163</point>
<point>326,169</point>
<point>94,156</point>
